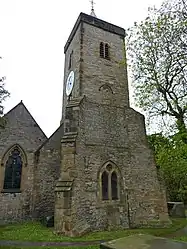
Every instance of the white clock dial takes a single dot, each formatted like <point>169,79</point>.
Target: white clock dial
<point>69,83</point>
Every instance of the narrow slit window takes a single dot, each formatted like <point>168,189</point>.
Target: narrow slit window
<point>114,186</point>
<point>105,193</point>
<point>70,60</point>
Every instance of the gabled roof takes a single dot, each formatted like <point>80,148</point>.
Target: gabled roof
<point>21,103</point>
<point>47,140</point>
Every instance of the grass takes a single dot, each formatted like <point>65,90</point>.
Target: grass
<point>34,231</point>
<point>49,247</point>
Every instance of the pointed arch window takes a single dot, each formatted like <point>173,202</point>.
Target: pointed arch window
<point>13,164</point>
<point>13,170</point>
<point>104,50</point>
<point>109,183</point>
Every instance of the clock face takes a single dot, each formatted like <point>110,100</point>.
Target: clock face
<point>69,83</point>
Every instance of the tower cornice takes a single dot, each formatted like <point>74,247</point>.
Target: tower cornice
<point>94,21</point>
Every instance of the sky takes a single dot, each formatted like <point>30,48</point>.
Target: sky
<point>32,38</point>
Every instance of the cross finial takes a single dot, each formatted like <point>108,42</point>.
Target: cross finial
<point>92,3</point>
<point>92,8</point>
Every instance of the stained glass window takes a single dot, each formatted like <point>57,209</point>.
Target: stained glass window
<point>13,169</point>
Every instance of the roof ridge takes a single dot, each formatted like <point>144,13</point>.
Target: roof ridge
<point>21,103</point>
<point>40,147</point>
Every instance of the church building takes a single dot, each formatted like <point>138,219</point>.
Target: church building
<point>96,171</point>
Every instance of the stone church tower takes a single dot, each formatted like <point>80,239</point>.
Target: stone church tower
<point>108,177</point>
<point>96,171</point>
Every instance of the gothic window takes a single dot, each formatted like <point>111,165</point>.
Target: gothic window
<point>13,170</point>
<point>109,182</point>
<point>105,185</point>
<point>104,50</point>
<point>70,60</point>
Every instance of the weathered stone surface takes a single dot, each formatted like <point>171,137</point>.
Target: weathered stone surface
<point>108,132</point>
<point>47,172</point>
<point>176,209</point>
<point>95,22</point>
<point>143,242</point>
<point>21,129</point>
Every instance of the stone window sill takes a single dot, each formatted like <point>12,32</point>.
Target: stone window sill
<point>11,191</point>
<point>106,201</point>
<point>105,58</point>
<point>103,203</point>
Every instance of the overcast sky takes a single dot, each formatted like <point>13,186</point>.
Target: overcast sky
<point>32,38</point>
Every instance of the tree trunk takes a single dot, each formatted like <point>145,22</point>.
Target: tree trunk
<point>182,129</point>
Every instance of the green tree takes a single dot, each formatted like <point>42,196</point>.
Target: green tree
<point>157,57</point>
<point>3,95</point>
<point>171,157</point>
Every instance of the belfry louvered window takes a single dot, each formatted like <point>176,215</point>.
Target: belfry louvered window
<point>104,50</point>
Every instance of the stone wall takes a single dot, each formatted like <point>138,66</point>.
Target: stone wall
<point>104,80</point>
<point>47,172</point>
<point>118,135</point>
<point>101,80</point>
<point>74,47</point>
<point>101,128</point>
<point>21,129</point>
<point>147,197</point>
<point>115,135</point>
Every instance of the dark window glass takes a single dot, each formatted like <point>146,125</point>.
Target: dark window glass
<point>13,169</point>
<point>102,49</point>
<point>109,167</point>
<point>114,186</point>
<point>105,186</point>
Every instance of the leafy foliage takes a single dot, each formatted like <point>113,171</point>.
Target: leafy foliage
<point>3,95</point>
<point>171,156</point>
<point>157,52</point>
